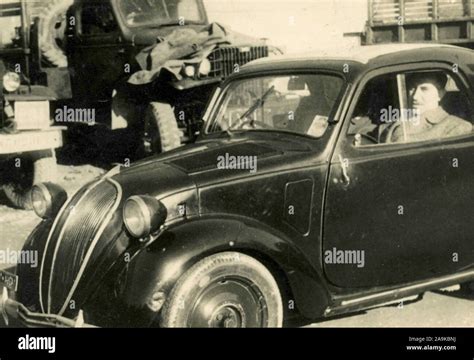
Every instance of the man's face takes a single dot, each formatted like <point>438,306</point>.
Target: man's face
<point>424,96</point>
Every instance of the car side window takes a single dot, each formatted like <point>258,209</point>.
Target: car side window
<point>98,19</point>
<point>411,107</point>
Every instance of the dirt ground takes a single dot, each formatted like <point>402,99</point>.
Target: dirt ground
<point>16,225</point>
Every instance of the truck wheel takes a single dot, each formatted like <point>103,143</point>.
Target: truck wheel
<point>162,128</point>
<point>18,188</point>
<point>51,28</point>
<point>225,290</point>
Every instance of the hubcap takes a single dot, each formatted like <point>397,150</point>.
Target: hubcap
<point>229,303</point>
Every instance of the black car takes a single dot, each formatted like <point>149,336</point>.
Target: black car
<point>310,193</point>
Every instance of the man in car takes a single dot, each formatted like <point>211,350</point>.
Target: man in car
<point>430,120</point>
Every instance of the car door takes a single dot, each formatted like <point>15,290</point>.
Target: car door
<point>405,209</point>
<point>97,52</point>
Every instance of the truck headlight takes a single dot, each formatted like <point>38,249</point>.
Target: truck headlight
<point>205,67</point>
<point>47,199</point>
<point>11,81</point>
<point>143,215</point>
<point>189,71</point>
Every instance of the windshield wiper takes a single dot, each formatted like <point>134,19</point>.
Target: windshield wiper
<point>256,105</point>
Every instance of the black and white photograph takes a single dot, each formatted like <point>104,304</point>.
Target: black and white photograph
<point>237,164</point>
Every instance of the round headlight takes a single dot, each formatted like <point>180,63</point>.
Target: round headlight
<point>189,71</point>
<point>205,67</point>
<point>11,81</point>
<point>143,215</point>
<point>47,199</point>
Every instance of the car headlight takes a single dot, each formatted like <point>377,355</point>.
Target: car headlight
<point>47,199</point>
<point>143,215</point>
<point>11,81</point>
<point>205,67</point>
<point>189,71</point>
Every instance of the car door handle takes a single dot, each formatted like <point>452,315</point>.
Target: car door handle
<point>346,180</point>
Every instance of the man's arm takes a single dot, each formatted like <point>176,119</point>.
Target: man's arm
<point>450,127</point>
<point>457,126</point>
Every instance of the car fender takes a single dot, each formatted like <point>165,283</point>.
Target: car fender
<point>157,267</point>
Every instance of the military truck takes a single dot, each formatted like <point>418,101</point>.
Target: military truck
<point>153,63</point>
<point>27,139</point>
<point>406,21</point>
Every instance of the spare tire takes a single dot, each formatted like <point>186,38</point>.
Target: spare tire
<point>51,31</point>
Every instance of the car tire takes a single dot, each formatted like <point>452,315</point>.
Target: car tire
<point>51,28</point>
<point>18,188</point>
<point>162,128</point>
<point>228,289</point>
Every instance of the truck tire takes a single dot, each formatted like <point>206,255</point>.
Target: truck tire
<point>18,189</point>
<point>51,27</point>
<point>228,289</point>
<point>162,128</point>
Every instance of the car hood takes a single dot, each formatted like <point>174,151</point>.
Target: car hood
<point>218,160</point>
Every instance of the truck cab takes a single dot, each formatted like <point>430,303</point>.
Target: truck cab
<point>105,41</point>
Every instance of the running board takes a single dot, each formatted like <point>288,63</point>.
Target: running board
<point>398,294</point>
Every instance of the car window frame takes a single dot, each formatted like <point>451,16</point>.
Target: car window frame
<point>462,83</point>
<point>334,116</point>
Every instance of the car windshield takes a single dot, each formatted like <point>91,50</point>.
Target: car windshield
<point>301,104</point>
<point>161,12</point>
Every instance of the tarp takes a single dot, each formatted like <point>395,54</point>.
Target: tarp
<point>184,45</point>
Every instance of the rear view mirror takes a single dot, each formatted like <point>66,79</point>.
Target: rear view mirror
<point>296,83</point>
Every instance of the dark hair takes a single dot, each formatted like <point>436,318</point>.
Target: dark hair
<point>437,78</point>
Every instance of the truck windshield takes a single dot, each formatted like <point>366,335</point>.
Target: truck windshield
<point>161,12</point>
<point>301,104</point>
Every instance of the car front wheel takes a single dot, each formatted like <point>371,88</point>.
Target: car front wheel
<point>226,290</point>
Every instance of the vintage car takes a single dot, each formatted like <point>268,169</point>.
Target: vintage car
<point>309,194</point>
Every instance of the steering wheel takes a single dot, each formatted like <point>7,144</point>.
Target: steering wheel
<point>390,133</point>
<point>368,139</point>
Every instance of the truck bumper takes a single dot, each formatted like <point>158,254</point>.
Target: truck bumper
<point>13,310</point>
<point>27,141</point>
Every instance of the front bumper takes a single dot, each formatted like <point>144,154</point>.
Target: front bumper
<point>26,141</point>
<point>13,310</point>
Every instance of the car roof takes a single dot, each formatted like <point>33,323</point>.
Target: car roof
<point>362,56</point>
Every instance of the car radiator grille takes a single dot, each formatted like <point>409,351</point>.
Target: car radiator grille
<point>71,240</point>
<point>224,60</point>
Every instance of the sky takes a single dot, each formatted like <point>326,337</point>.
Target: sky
<point>296,25</point>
